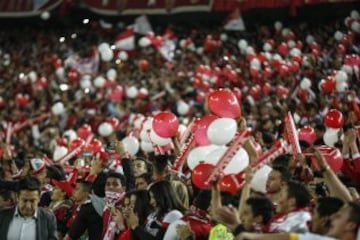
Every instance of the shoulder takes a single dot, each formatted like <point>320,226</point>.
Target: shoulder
<point>45,213</point>
<point>7,212</point>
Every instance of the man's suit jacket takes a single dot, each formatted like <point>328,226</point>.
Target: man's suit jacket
<point>45,224</point>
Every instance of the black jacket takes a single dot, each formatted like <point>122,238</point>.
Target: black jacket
<point>45,224</point>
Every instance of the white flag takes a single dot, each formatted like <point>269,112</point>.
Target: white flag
<point>126,40</point>
<point>234,22</point>
<point>142,25</point>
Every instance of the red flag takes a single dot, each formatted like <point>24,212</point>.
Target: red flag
<point>126,40</point>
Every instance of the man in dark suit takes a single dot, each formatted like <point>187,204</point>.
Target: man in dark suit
<point>27,221</point>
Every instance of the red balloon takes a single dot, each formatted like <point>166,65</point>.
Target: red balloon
<point>299,45</point>
<point>165,124</point>
<point>200,133</point>
<point>341,49</point>
<point>297,59</point>
<point>255,91</point>
<point>95,146</point>
<point>200,97</point>
<point>254,72</point>
<point>332,156</point>
<point>229,183</point>
<point>283,49</point>
<point>334,119</point>
<point>84,131</point>
<point>115,123</point>
<point>266,89</point>
<point>328,85</point>
<point>267,72</point>
<point>73,75</point>
<point>117,94</point>
<point>144,65</point>
<point>262,57</point>
<point>282,91</point>
<point>57,62</point>
<point>303,95</point>
<point>307,134</point>
<point>75,143</point>
<point>224,103</point>
<point>283,70</point>
<point>200,174</point>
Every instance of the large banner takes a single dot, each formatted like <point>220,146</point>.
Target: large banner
<point>131,7</point>
<point>26,8</point>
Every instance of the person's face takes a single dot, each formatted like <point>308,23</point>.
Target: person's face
<point>5,203</point>
<point>132,201</point>
<point>125,207</point>
<point>57,194</point>
<point>113,185</point>
<point>284,203</point>
<point>139,167</point>
<point>152,200</point>
<point>140,183</point>
<point>340,223</point>
<point>247,218</point>
<point>318,223</point>
<point>273,183</point>
<point>27,202</point>
<point>79,194</point>
<point>42,178</point>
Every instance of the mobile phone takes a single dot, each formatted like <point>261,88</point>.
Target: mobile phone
<point>110,147</point>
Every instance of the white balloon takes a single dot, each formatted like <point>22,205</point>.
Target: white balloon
<point>355,26</point>
<point>103,46</point>
<point>182,43</point>
<point>138,121</point>
<point>291,44</point>
<point>250,50</point>
<point>171,233</point>
<point>144,42</point>
<point>255,63</point>
<point>295,52</point>
<point>32,76</point>
<point>111,74</point>
<point>45,15</point>
<point>285,32</point>
<point>58,108</point>
<point>182,107</point>
<point>221,131</point>
<point>278,25</point>
<point>354,14</point>
<point>144,91</point>
<point>159,140</point>
<point>267,47</point>
<point>59,152</point>
<point>148,123</point>
<point>70,134</point>
<point>131,145</point>
<point>309,39</point>
<point>342,86</point>
<point>258,182</point>
<point>198,155</point>
<point>341,76</point>
<point>223,37</point>
<point>99,82</point>
<point>60,73</point>
<point>85,83</point>
<point>105,129</point>
<point>107,55</point>
<point>131,92</point>
<point>348,69</point>
<point>238,163</point>
<point>242,44</point>
<point>146,146</point>
<point>330,137</point>
<point>123,56</point>
<point>338,35</point>
<point>305,83</point>
<point>200,50</point>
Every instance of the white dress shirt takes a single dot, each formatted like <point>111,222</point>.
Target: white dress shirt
<point>22,228</point>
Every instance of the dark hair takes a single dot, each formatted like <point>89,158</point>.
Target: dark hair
<point>160,162</point>
<point>202,200</point>
<point>261,206</point>
<point>29,183</point>
<point>142,205</point>
<point>327,206</point>
<point>298,191</point>
<point>86,186</point>
<point>147,163</point>
<point>165,197</point>
<point>146,176</point>
<point>121,177</point>
<point>282,160</point>
<point>284,172</point>
<point>355,214</point>
<point>56,172</point>
<point>7,194</point>
<point>98,186</point>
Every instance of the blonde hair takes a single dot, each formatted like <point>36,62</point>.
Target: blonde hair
<point>181,191</point>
